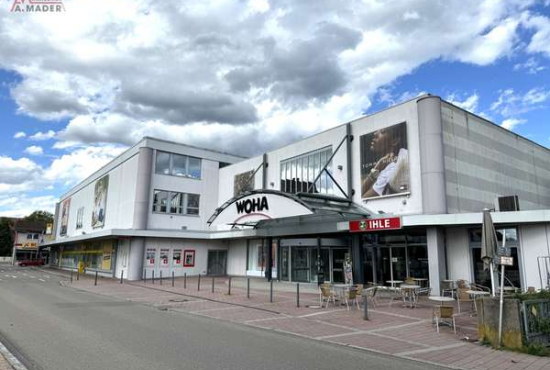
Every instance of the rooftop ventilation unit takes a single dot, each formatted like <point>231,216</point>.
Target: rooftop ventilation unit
<point>508,203</point>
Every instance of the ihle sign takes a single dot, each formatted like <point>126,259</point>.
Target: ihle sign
<point>375,224</point>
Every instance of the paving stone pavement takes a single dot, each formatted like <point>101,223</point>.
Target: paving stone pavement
<point>391,329</point>
<point>4,364</point>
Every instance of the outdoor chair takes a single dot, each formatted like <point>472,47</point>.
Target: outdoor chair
<point>350,296</point>
<point>326,294</point>
<point>359,288</point>
<point>531,290</point>
<point>440,313</point>
<point>463,296</point>
<point>371,295</point>
<point>410,281</point>
<point>448,287</point>
<point>395,293</point>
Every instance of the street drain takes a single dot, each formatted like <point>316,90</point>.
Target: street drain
<point>178,300</point>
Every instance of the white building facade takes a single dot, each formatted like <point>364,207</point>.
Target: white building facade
<point>426,166</point>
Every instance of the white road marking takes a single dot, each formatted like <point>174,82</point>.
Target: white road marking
<point>6,275</point>
<point>42,280</point>
<point>32,277</point>
<point>13,276</point>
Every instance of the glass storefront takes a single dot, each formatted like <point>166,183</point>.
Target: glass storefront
<point>94,256</point>
<point>511,273</point>
<point>395,256</point>
<point>302,260</point>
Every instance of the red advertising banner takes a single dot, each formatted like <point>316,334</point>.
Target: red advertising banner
<point>375,224</point>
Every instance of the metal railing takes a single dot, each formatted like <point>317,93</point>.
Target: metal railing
<point>536,321</point>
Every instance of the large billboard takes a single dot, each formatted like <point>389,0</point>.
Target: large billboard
<point>385,162</point>
<point>65,207</point>
<point>100,202</point>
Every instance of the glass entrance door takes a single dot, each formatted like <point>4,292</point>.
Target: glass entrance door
<point>285,263</point>
<point>300,264</point>
<point>338,259</point>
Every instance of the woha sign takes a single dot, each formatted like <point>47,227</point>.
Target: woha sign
<point>252,205</point>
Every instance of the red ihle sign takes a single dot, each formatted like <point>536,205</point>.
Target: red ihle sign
<point>375,224</point>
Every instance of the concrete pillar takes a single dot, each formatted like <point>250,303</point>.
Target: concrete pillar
<point>143,188</point>
<point>432,163</point>
<point>135,258</point>
<point>436,258</point>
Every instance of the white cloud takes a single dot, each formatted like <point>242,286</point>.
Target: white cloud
<point>41,136</point>
<point>531,65</point>
<point>470,103</point>
<point>22,205</point>
<point>510,103</point>
<point>34,150</point>
<point>511,123</point>
<point>129,68</point>
<point>19,135</point>
<point>540,42</point>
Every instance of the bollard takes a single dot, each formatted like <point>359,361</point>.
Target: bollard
<point>95,282</point>
<point>160,278</point>
<point>153,276</point>
<point>365,308</point>
<point>199,284</point>
<point>77,275</point>
<point>297,294</point>
<point>121,276</point>
<point>248,288</point>
<point>229,287</point>
<point>172,278</point>
<point>185,280</point>
<point>144,276</point>
<point>71,276</point>
<point>271,291</point>
<point>212,284</point>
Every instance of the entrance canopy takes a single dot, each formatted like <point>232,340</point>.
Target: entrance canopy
<point>261,207</point>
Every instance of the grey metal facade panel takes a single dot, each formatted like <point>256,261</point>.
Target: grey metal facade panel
<point>483,161</point>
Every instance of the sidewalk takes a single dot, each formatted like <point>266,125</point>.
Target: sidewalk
<point>4,364</point>
<point>393,330</point>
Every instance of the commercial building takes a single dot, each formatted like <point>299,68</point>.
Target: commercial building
<point>28,236</point>
<point>398,193</point>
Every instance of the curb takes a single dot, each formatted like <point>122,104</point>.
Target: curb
<point>12,360</point>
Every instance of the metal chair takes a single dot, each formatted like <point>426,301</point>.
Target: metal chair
<point>371,295</point>
<point>350,296</point>
<point>443,312</point>
<point>326,294</point>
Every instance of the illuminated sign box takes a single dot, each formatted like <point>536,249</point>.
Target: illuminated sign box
<point>375,224</point>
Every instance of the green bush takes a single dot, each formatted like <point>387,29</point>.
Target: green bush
<point>543,294</point>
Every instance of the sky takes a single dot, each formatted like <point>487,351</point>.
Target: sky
<point>78,87</point>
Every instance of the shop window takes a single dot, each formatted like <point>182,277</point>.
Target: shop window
<point>178,165</point>
<point>176,203</point>
<point>299,173</point>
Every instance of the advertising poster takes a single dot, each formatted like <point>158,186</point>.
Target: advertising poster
<point>151,257</point>
<point>176,258</point>
<point>243,182</point>
<point>100,202</point>
<point>189,258</point>
<point>65,216</point>
<point>164,257</point>
<point>385,162</point>
<point>107,252</point>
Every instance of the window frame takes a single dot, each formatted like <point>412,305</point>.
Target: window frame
<point>187,158</point>
<point>182,208</point>
<point>299,171</point>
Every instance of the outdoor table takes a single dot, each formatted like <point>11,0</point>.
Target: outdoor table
<point>340,289</point>
<point>475,294</point>
<point>420,281</point>
<point>440,299</point>
<point>393,282</point>
<point>409,293</point>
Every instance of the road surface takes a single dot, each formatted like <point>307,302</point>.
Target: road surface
<point>49,326</point>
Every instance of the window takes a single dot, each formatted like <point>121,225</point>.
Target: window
<point>176,203</point>
<point>29,236</point>
<point>178,165</point>
<point>35,236</point>
<point>298,173</point>
<point>79,217</point>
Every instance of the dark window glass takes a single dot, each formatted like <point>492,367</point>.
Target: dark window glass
<point>163,163</point>
<point>194,169</point>
<point>179,165</point>
<point>193,204</point>
<point>160,201</point>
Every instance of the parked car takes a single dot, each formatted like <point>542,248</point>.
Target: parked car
<point>38,262</point>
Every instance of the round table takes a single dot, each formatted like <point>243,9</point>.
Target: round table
<point>440,299</point>
<point>475,294</point>
<point>420,281</point>
<point>393,282</point>
<point>409,294</point>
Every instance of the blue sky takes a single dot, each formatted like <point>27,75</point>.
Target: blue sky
<point>78,87</point>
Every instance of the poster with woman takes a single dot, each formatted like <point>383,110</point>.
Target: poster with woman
<point>100,202</point>
<point>65,207</point>
<point>385,162</point>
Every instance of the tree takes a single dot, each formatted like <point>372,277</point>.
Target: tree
<point>44,216</point>
<point>6,238</point>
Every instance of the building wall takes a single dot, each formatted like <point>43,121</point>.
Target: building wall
<point>201,248</point>
<point>236,258</point>
<point>459,256</point>
<point>119,208</point>
<point>534,243</point>
<point>226,189</point>
<point>206,187</point>
<point>483,160</point>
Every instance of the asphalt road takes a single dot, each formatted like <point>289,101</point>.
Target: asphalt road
<point>49,326</point>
